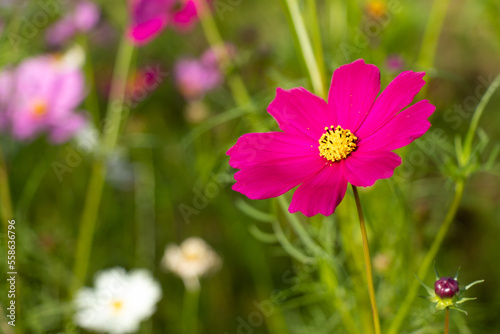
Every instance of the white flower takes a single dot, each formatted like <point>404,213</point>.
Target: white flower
<point>119,301</point>
<point>193,259</point>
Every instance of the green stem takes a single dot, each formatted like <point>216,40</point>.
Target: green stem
<point>300,32</point>
<point>96,184</point>
<point>447,320</point>
<point>432,32</point>
<point>475,119</point>
<point>5,200</point>
<point>429,258</point>
<point>215,40</point>
<point>368,264</point>
<point>190,312</point>
<point>316,38</point>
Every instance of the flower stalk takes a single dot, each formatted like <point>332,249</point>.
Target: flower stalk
<point>429,257</point>
<point>300,32</point>
<point>190,311</point>
<point>368,265</point>
<point>5,200</point>
<point>112,123</point>
<point>213,36</point>
<point>447,320</point>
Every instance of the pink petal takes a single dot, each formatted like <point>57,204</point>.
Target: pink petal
<point>86,15</point>
<point>300,112</point>
<point>321,193</point>
<point>402,129</point>
<point>352,93</point>
<point>25,126</point>
<point>187,16</point>
<point>273,163</point>
<point>393,99</point>
<point>362,168</point>
<point>67,127</point>
<point>67,90</point>
<point>144,32</point>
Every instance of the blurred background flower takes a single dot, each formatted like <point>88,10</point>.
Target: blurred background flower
<point>119,301</point>
<point>41,96</point>
<point>193,259</point>
<point>82,17</point>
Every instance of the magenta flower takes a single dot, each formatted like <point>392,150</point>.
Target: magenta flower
<point>81,19</point>
<point>150,17</point>
<point>41,95</point>
<point>325,145</point>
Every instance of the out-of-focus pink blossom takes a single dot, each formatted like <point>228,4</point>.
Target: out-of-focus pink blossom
<point>195,78</point>
<point>84,16</point>
<point>149,17</point>
<point>395,63</point>
<point>40,96</point>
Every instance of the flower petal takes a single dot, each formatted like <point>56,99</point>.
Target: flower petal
<point>393,99</point>
<point>321,193</point>
<point>352,93</point>
<point>186,16</point>
<point>273,163</point>
<point>144,32</point>
<point>363,168</point>
<point>402,129</point>
<point>298,111</point>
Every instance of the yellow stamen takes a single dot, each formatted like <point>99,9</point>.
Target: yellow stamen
<point>336,143</point>
<point>39,108</point>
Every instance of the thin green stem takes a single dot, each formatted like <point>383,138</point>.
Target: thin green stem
<point>476,117</point>
<point>5,200</point>
<point>87,225</point>
<point>429,258</point>
<point>214,38</point>
<point>432,32</point>
<point>447,320</point>
<point>110,136</point>
<point>316,38</point>
<point>190,312</point>
<point>368,263</point>
<point>306,49</point>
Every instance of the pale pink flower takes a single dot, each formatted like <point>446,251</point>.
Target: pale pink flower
<point>41,96</point>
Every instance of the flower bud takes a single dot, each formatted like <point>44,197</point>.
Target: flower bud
<point>446,287</point>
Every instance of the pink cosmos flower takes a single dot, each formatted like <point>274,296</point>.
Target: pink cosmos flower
<point>150,17</point>
<point>196,77</point>
<point>82,18</point>
<point>325,145</point>
<point>41,95</point>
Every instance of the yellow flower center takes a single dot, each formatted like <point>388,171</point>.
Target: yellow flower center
<point>191,256</point>
<point>377,8</point>
<point>336,143</point>
<point>39,108</point>
<point>117,306</point>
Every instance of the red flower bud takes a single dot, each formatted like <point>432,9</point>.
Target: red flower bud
<point>446,287</point>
